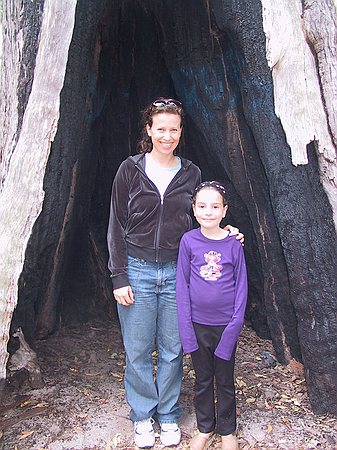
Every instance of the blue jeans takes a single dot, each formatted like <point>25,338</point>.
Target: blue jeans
<point>151,320</point>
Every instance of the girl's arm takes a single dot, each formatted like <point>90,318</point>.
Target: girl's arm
<point>231,333</point>
<point>186,330</point>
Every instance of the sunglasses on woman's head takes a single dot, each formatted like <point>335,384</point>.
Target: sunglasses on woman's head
<point>169,102</point>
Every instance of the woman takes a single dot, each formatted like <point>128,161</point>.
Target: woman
<point>150,211</point>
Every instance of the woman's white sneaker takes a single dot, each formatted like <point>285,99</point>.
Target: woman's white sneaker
<point>170,434</point>
<point>144,434</point>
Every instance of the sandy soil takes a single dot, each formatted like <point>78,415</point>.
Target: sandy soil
<point>82,404</point>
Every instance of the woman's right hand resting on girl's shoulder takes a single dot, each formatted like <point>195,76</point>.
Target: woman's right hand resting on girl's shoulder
<point>124,296</point>
<point>233,231</point>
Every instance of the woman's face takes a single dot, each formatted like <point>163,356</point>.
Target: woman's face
<point>165,132</point>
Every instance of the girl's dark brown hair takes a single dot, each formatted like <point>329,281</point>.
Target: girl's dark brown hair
<point>211,185</point>
<point>160,105</point>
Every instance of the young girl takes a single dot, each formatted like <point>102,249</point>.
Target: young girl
<point>211,296</point>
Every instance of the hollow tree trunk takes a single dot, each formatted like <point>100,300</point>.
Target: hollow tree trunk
<point>258,82</point>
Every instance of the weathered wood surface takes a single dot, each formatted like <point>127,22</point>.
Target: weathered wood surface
<point>26,140</point>
<point>26,359</point>
<point>302,55</point>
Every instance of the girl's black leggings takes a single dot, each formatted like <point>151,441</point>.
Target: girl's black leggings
<point>219,416</point>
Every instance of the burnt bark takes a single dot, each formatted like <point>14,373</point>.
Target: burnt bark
<point>30,86</point>
<point>211,55</point>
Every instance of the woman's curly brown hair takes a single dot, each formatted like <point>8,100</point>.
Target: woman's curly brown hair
<point>160,105</point>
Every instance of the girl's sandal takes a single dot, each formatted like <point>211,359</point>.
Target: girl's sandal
<point>229,442</point>
<point>200,441</point>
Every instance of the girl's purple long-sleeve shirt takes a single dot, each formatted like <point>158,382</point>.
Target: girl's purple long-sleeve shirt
<point>211,289</point>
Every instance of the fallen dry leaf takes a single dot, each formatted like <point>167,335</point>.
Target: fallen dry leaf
<point>267,406</point>
<point>240,382</point>
<point>40,405</point>
<point>117,376</point>
<point>25,403</point>
<point>25,434</point>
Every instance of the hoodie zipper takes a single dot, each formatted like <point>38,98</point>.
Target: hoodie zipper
<point>157,235</point>
<point>161,206</point>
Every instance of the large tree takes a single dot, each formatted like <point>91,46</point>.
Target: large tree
<point>258,82</point>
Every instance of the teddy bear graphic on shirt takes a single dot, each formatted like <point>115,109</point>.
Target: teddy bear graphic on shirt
<point>212,270</point>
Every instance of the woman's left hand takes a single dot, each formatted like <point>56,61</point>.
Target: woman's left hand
<point>233,231</point>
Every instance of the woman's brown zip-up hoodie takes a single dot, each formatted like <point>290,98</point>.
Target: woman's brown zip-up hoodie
<point>141,225</point>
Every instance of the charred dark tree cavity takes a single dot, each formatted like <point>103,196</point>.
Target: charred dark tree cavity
<point>30,25</point>
<point>211,55</point>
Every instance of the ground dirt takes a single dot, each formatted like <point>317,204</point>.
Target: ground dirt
<point>82,404</point>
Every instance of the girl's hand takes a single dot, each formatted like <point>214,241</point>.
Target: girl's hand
<point>124,296</point>
<point>233,231</point>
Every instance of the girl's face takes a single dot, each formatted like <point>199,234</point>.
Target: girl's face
<point>209,208</point>
<point>165,133</point>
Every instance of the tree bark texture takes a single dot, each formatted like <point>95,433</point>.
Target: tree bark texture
<point>307,47</point>
<point>258,82</point>
<point>301,53</point>
<point>30,109</point>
